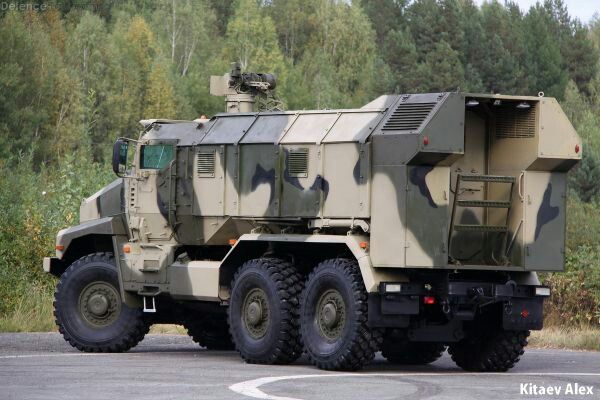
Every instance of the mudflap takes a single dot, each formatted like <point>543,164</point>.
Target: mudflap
<point>523,314</point>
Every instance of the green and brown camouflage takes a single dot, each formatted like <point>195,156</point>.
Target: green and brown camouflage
<point>387,171</point>
<point>457,195</point>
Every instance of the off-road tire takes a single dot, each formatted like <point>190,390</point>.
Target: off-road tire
<point>281,284</point>
<point>493,352</point>
<point>402,351</point>
<point>210,332</point>
<point>129,326</point>
<point>357,343</point>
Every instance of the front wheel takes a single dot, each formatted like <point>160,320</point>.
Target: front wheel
<point>89,311</point>
<point>333,317</point>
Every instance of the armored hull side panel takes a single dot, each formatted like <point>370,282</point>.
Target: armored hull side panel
<point>395,168</point>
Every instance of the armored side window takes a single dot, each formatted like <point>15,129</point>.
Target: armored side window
<point>205,163</point>
<point>298,163</point>
<point>156,156</point>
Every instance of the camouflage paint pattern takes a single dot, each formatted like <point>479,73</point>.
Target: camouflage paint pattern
<point>392,164</point>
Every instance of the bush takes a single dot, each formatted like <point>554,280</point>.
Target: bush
<point>35,206</point>
<point>576,292</point>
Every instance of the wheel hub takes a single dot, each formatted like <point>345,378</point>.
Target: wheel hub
<point>99,304</point>
<point>331,315</point>
<point>255,311</point>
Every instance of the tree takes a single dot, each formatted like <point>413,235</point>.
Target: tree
<point>251,40</point>
<point>442,70</point>
<point>131,51</point>
<point>581,57</point>
<point>585,179</point>
<point>294,21</point>
<point>160,100</point>
<point>424,21</point>
<point>400,53</point>
<point>385,15</point>
<point>544,61</point>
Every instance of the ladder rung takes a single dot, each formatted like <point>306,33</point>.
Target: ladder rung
<point>484,203</point>
<point>480,228</point>
<point>487,178</point>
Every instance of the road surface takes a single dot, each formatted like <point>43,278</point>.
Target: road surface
<point>43,366</point>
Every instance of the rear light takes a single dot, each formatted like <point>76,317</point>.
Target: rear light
<point>429,300</point>
<point>59,247</point>
<point>127,248</point>
<point>524,313</point>
<point>542,291</point>
<point>393,288</point>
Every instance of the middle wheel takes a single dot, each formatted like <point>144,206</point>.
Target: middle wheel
<point>333,317</point>
<point>263,311</point>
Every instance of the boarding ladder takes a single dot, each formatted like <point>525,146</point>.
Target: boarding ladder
<point>506,204</point>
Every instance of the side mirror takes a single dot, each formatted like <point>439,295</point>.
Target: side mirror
<point>119,159</point>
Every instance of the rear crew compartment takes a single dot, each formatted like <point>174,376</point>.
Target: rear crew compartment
<point>507,197</point>
<point>471,181</point>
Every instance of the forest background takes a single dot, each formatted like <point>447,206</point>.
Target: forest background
<point>75,75</point>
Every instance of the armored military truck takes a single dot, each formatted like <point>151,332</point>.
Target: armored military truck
<point>414,224</point>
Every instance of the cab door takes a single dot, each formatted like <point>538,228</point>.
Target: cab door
<point>151,211</point>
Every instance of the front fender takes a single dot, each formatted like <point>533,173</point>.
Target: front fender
<point>103,226</point>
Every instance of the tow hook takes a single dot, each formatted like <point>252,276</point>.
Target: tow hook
<point>445,307</point>
<point>475,293</point>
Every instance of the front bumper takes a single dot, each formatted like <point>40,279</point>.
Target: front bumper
<point>53,265</point>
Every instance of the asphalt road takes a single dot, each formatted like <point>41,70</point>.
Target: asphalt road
<point>43,366</point>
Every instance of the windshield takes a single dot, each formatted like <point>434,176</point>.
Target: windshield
<point>156,156</point>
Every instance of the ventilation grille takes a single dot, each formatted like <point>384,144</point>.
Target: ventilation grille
<point>408,116</point>
<point>298,163</point>
<point>512,122</point>
<point>205,164</point>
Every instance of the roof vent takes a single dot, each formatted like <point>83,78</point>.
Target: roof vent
<point>408,116</point>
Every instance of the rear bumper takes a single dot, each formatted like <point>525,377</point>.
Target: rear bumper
<point>401,305</point>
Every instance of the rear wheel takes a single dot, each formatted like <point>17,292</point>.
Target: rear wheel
<point>210,332</point>
<point>263,311</point>
<point>489,351</point>
<point>334,317</point>
<point>402,351</point>
<point>89,311</point>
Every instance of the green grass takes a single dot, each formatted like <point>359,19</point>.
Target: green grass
<point>32,313</point>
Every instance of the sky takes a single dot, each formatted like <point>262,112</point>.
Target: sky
<point>582,9</point>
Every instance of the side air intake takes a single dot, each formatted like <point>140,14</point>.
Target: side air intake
<point>408,116</point>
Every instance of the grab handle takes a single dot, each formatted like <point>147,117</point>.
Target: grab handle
<point>521,189</point>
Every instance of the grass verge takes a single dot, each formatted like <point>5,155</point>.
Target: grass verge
<point>579,338</point>
<point>32,313</point>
